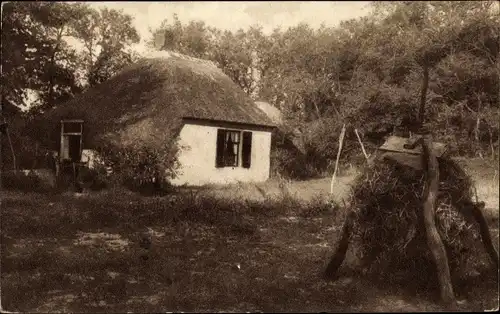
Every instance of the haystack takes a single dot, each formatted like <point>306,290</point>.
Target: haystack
<point>387,203</point>
<point>385,221</point>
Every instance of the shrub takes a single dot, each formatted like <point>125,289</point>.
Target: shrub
<point>287,161</point>
<point>141,167</point>
<point>94,179</point>
<point>26,182</point>
<point>290,165</point>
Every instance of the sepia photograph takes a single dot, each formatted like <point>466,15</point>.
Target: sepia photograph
<point>249,156</point>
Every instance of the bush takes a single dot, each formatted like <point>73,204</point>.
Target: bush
<point>140,167</point>
<point>287,161</point>
<point>94,179</point>
<point>290,165</point>
<point>26,182</point>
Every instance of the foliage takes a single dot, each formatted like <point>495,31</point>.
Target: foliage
<point>140,166</point>
<point>94,179</point>
<point>20,181</point>
<point>105,34</point>
<point>287,161</point>
<point>40,69</point>
<point>28,152</point>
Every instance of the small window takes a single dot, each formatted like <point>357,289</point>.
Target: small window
<point>233,148</point>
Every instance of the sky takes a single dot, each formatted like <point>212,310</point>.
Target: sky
<point>233,15</point>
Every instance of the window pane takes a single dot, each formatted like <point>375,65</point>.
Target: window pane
<point>65,147</point>
<point>231,148</point>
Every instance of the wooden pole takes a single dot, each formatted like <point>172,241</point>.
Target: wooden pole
<point>434,241</point>
<point>341,248</point>
<point>361,143</point>
<point>431,167</point>
<point>341,141</point>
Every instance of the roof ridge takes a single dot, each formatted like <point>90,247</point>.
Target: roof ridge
<point>170,53</point>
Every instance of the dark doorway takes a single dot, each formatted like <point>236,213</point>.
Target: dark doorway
<point>74,148</point>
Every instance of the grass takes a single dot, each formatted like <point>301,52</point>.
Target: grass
<point>484,172</point>
<point>232,249</point>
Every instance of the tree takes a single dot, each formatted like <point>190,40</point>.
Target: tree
<point>106,35</point>
<point>233,53</point>
<point>36,57</point>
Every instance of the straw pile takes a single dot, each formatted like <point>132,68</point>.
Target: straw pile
<point>387,201</point>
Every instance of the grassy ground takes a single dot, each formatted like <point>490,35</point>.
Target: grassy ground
<point>83,254</point>
<point>484,172</point>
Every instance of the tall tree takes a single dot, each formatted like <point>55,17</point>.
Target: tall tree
<point>34,54</point>
<point>107,35</point>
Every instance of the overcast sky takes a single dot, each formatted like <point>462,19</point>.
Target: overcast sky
<point>232,15</point>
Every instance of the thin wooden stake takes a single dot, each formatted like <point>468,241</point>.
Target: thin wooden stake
<point>341,141</point>
<point>361,143</point>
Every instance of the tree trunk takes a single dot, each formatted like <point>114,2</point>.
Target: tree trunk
<point>433,238</point>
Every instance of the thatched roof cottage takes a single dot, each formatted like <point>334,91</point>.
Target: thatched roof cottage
<point>223,135</point>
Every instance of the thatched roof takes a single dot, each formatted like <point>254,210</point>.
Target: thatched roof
<point>149,99</point>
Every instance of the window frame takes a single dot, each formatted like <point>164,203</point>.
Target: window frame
<point>240,162</point>
<point>225,160</point>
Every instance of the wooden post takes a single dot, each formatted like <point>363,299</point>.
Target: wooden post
<point>431,167</point>
<point>361,143</point>
<point>434,241</point>
<point>341,141</point>
<point>341,248</point>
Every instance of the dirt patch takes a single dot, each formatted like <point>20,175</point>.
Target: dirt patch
<point>113,242</point>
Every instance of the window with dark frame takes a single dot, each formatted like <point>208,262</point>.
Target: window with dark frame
<point>233,148</point>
